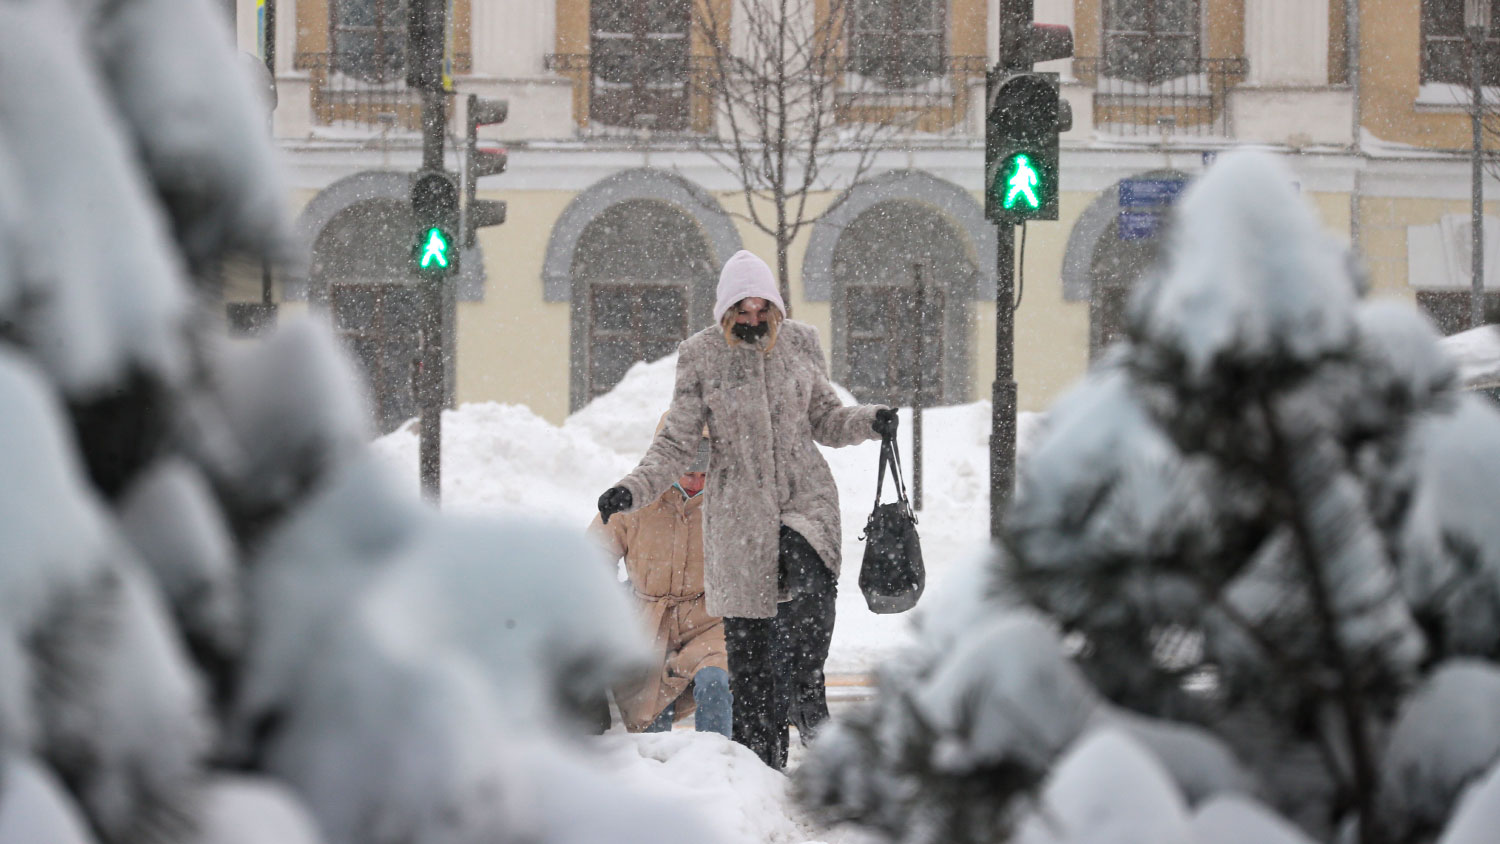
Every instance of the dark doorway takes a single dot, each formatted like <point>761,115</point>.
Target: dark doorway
<point>635,270</point>
<point>362,257</point>
<point>376,322</point>
<point>901,323</point>
<point>895,344</point>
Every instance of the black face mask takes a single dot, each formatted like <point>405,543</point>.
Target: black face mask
<point>750,333</point>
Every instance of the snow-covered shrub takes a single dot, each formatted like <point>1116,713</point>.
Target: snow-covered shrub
<point>220,622</point>
<point>1264,528</point>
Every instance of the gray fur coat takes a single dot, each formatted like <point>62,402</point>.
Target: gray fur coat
<point>763,412</point>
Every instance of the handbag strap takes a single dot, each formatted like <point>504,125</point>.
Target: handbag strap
<point>890,454</point>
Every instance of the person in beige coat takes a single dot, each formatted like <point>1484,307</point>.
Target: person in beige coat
<point>662,545</point>
<point>759,382</point>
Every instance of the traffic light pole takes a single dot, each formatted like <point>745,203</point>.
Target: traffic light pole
<point>432,397</point>
<point>1003,395</point>
<point>1014,18</point>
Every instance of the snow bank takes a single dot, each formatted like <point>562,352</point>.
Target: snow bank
<point>1108,790</point>
<point>504,459</point>
<point>748,802</point>
<point>35,808</point>
<point>254,810</point>
<point>1477,353</point>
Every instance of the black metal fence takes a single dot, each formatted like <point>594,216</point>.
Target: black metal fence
<point>363,94</point>
<point>928,95</point>
<point>1167,96</point>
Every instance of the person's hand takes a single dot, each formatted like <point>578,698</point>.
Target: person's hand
<point>885,422</point>
<point>616,499</point>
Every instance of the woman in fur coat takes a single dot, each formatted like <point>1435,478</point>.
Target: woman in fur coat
<point>759,382</point>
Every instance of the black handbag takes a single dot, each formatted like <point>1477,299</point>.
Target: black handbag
<point>891,576</point>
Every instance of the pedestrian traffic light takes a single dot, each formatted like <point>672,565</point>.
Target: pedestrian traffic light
<point>1025,116</point>
<point>434,206</point>
<point>478,213</point>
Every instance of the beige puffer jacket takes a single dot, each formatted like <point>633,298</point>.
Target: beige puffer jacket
<point>662,544</point>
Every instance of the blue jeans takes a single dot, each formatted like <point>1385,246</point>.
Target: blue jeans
<point>715,705</point>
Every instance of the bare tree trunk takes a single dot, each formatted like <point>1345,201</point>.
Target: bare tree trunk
<point>783,261</point>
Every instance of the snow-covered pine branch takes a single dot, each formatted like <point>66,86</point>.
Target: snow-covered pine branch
<point>1263,528</point>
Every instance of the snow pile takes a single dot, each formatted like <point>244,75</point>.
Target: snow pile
<point>504,459</point>
<point>1477,353</point>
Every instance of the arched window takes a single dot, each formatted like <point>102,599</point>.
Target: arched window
<point>1119,258</point>
<point>1117,266</point>
<point>633,277</point>
<point>897,43</point>
<point>362,257</point>
<point>896,269</point>
<point>1151,40</point>
<point>639,61</point>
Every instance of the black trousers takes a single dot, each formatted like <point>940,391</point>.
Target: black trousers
<point>776,664</point>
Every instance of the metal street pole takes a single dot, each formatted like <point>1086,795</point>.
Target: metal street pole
<point>434,126</point>
<point>268,49</point>
<point>1015,17</point>
<point>1003,395</point>
<point>1477,23</point>
<point>916,399</point>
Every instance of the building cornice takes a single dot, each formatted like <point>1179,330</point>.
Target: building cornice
<point>577,165</point>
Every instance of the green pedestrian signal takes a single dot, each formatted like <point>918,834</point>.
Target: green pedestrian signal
<point>1021,183</point>
<point>1026,117</point>
<point>434,252</point>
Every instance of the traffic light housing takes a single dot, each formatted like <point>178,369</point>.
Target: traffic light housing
<point>434,206</point>
<point>1025,116</point>
<point>482,111</point>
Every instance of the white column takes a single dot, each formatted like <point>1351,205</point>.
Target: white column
<point>510,39</point>
<point>1054,11</point>
<point>286,36</point>
<point>1286,42</point>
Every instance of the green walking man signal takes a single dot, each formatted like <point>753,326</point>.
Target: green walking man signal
<point>1022,126</point>
<point>434,251</point>
<point>1022,183</point>
<point>434,208</point>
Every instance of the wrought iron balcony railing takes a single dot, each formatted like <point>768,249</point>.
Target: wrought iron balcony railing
<point>363,94</point>
<point>622,93</point>
<point>1182,96</point>
<point>921,95</point>
<point>677,94</point>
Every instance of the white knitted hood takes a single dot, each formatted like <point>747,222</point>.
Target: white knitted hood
<point>745,275</point>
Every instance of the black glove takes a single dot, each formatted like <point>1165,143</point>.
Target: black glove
<point>885,422</point>
<point>616,499</point>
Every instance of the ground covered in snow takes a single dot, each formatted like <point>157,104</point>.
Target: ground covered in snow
<point>502,458</point>
<point>506,459</point>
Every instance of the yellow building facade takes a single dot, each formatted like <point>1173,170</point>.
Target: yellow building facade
<point>619,212</point>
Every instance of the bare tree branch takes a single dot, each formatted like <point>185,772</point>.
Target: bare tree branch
<point>775,84</point>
